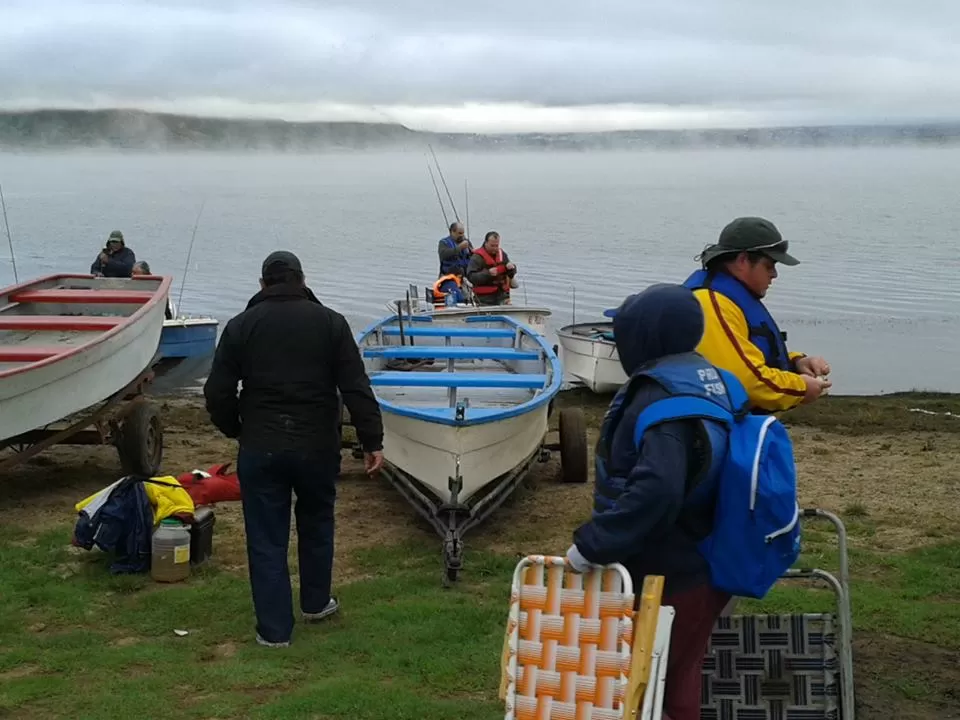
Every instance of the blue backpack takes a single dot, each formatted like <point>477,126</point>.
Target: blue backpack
<point>756,528</point>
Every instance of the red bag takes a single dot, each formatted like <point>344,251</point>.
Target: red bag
<point>211,486</point>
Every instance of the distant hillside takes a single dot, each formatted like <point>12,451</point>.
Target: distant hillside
<point>137,130</point>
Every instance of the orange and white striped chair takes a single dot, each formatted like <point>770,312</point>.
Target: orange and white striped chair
<point>575,649</point>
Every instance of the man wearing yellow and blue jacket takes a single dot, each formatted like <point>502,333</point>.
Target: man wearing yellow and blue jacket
<point>740,335</point>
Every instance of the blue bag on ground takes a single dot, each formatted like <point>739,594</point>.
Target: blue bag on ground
<point>756,530</point>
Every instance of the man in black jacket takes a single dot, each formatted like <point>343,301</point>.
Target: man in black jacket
<point>292,355</point>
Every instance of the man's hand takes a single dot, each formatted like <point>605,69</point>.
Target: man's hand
<point>578,563</point>
<point>463,244</point>
<point>815,388</point>
<point>372,462</point>
<point>494,271</point>
<point>104,258</point>
<point>511,266</point>
<point>815,366</point>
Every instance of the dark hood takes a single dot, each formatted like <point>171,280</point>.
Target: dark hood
<point>283,291</point>
<point>662,320</point>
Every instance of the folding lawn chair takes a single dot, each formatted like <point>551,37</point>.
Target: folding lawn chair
<point>575,649</point>
<point>785,667</point>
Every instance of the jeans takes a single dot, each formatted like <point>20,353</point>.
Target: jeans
<point>266,482</point>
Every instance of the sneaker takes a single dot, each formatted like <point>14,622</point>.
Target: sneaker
<point>267,643</point>
<point>332,607</point>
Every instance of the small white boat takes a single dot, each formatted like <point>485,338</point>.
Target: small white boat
<point>70,341</point>
<point>590,356</point>
<point>420,304</point>
<point>465,410</point>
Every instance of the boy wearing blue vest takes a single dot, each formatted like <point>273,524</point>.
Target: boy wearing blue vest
<point>675,429</point>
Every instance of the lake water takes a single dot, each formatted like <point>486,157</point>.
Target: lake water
<point>876,230</point>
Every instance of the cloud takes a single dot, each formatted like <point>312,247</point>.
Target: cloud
<point>493,65</point>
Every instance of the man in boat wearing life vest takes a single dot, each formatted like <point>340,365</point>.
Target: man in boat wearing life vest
<point>740,334</point>
<point>491,273</point>
<point>454,251</point>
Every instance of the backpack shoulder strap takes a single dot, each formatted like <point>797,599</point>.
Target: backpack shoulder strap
<point>680,407</point>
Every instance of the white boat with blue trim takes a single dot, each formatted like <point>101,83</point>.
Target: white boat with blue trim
<point>589,355</point>
<point>465,413</point>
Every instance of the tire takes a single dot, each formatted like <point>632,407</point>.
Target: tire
<point>573,446</point>
<point>140,445</point>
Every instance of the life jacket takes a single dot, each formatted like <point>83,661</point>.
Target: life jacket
<point>747,471</point>
<point>500,281</point>
<point>678,375</point>
<point>447,285</point>
<point>459,264</point>
<point>214,485</point>
<point>762,328</point>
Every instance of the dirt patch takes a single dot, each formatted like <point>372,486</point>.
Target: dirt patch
<point>904,679</point>
<point>20,672</point>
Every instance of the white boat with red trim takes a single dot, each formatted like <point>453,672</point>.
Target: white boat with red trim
<point>68,342</point>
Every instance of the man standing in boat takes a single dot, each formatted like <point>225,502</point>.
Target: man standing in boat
<point>741,335</point>
<point>454,251</point>
<point>292,355</point>
<point>116,260</point>
<point>490,272</point>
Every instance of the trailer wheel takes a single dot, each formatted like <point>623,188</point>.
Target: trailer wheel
<point>573,446</point>
<point>140,444</point>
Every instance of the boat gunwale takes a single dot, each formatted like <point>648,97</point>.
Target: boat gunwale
<point>567,332</point>
<point>126,321</point>
<point>547,394</point>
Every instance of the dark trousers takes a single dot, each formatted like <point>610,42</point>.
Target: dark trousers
<point>697,611</point>
<point>266,482</point>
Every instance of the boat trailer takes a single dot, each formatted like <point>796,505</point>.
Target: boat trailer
<point>453,519</point>
<point>126,420</point>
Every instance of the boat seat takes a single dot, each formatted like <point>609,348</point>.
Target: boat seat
<point>134,297</point>
<point>575,647</point>
<point>458,380</point>
<point>444,352</point>
<point>30,353</point>
<point>452,331</point>
<point>58,322</point>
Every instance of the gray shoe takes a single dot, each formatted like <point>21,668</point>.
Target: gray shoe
<point>267,643</point>
<point>332,607</point>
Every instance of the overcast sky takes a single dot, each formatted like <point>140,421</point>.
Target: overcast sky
<point>492,65</point>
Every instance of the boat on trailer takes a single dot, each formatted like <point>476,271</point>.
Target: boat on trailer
<point>465,409</point>
<point>589,354</point>
<point>68,342</point>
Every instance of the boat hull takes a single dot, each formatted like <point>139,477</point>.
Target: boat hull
<point>44,393</point>
<point>592,361</point>
<point>188,337</point>
<point>478,454</point>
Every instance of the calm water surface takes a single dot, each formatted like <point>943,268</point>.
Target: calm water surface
<point>876,231</point>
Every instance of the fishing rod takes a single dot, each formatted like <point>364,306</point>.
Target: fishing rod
<point>13,257</point>
<point>439,199</point>
<point>466,199</point>
<point>447,189</point>
<point>186,265</point>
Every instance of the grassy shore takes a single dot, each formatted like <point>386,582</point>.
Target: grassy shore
<point>77,643</point>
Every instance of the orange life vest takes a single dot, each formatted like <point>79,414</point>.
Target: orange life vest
<point>500,280</point>
<point>438,294</point>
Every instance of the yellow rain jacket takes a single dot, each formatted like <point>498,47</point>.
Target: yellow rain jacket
<point>166,500</point>
<point>726,344</point>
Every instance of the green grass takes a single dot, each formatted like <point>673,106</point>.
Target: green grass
<point>78,643</point>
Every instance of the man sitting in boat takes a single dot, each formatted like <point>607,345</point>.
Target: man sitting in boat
<point>115,260</point>
<point>491,273</point>
<point>142,267</point>
<point>454,251</point>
